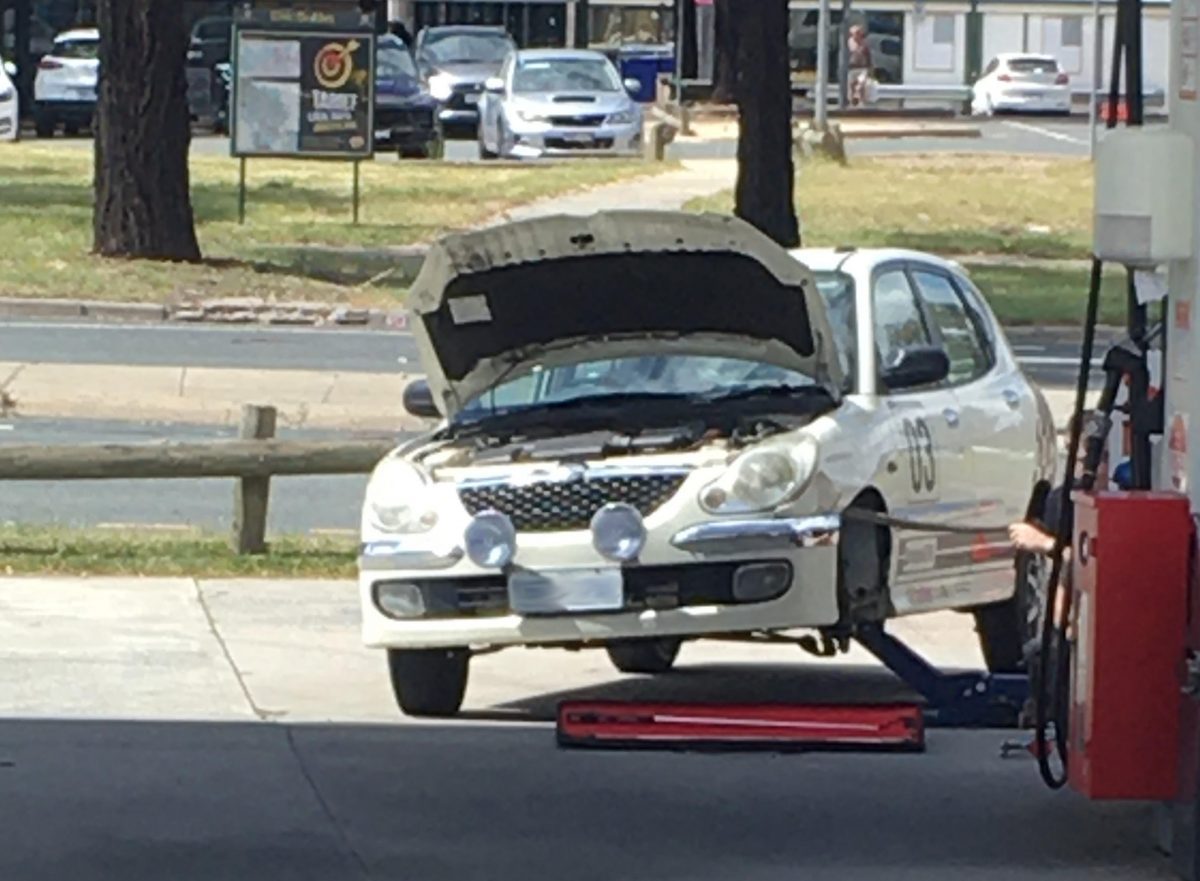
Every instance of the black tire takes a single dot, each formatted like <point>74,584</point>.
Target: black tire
<point>644,655</point>
<point>45,125</point>
<point>71,129</point>
<point>1009,631</point>
<point>429,682</point>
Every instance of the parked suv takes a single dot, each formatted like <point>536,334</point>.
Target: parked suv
<point>64,91</point>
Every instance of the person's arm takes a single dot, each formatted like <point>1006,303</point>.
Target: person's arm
<point>1027,537</point>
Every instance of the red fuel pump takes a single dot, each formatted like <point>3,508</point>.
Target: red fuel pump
<point>1130,559</point>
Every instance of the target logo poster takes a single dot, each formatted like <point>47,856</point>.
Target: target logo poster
<point>337,94</point>
<point>303,92</point>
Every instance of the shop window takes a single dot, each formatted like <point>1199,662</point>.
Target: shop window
<point>616,25</point>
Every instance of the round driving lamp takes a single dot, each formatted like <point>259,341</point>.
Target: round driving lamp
<point>491,540</point>
<point>618,532</point>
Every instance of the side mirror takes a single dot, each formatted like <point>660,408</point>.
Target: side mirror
<point>632,86</point>
<point>918,366</point>
<point>494,85</point>
<point>418,400</point>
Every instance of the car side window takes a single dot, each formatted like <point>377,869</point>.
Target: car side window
<point>960,335</point>
<point>899,324</point>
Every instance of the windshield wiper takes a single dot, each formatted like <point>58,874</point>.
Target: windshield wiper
<point>597,407</point>
<point>764,391</point>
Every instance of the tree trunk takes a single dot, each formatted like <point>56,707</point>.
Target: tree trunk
<point>725,73</point>
<point>143,207</point>
<point>766,175</point>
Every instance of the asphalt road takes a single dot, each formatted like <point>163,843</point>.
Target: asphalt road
<point>313,504</point>
<point>1053,136</point>
<point>1050,355</point>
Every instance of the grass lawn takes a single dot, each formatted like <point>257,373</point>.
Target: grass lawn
<point>26,550</point>
<point>947,204</point>
<point>1048,295</point>
<point>46,216</point>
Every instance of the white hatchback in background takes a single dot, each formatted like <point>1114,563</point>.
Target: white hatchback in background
<point>9,104</point>
<point>64,91</point>
<point>1022,83</point>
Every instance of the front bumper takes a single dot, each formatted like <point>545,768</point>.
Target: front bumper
<point>9,121</point>
<point>562,141</point>
<point>458,117</point>
<point>1053,101</point>
<point>681,587</point>
<point>67,111</point>
<point>406,128</point>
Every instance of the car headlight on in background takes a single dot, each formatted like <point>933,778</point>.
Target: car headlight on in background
<point>761,479</point>
<point>397,501</point>
<point>440,87</point>
<point>622,117</point>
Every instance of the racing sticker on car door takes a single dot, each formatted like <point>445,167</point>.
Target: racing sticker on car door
<point>922,455</point>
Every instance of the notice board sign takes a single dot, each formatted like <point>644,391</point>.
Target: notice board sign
<point>303,92</point>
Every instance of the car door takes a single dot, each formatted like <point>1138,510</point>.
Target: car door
<point>998,418</point>
<point>924,474</point>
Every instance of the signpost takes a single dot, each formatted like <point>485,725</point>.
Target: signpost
<point>303,87</point>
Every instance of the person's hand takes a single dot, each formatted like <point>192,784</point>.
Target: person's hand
<point>1027,537</point>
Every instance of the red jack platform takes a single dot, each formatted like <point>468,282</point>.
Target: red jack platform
<point>774,727</point>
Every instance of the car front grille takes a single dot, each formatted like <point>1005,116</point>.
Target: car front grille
<point>566,144</point>
<point>386,118</point>
<point>588,121</point>
<point>562,505</point>
<point>458,96</point>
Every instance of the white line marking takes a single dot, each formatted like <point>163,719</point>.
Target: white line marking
<point>1051,361</point>
<point>1045,132</point>
<point>148,527</point>
<point>1029,349</point>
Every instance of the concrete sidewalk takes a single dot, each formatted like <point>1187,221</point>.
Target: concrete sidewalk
<point>207,396</point>
<point>214,396</point>
<point>164,728</point>
<point>663,192</point>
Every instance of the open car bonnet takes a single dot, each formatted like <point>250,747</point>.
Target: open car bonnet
<point>490,305</point>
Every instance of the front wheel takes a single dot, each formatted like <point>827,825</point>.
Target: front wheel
<point>1009,631</point>
<point>644,655</point>
<point>429,682</point>
<point>484,152</point>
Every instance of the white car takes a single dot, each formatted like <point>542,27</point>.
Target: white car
<point>1022,83</point>
<point>10,117</point>
<point>558,102</point>
<point>660,427</point>
<point>64,90</point>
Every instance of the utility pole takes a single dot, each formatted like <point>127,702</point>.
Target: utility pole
<point>1097,73</point>
<point>821,89</point>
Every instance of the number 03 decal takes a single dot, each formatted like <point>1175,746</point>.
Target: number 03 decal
<point>921,460</point>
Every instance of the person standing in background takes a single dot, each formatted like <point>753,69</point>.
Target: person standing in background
<point>858,54</point>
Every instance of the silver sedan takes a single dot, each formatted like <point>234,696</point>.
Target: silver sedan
<point>558,102</point>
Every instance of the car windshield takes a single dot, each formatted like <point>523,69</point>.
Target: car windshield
<point>566,75</point>
<point>392,62</point>
<point>463,48</point>
<point>1033,65</point>
<point>85,49</point>
<point>669,376</point>
<point>673,376</point>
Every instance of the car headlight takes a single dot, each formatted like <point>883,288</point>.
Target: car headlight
<point>396,501</point>
<point>530,116</point>
<point>622,117</point>
<point>5,95</point>
<point>762,479</point>
<point>440,87</point>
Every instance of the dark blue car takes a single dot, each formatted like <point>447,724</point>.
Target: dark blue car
<point>406,115</point>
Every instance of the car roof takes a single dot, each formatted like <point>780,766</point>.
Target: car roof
<point>854,259</point>
<point>559,54</point>
<point>78,34</point>
<point>1026,56</point>
<point>466,29</point>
